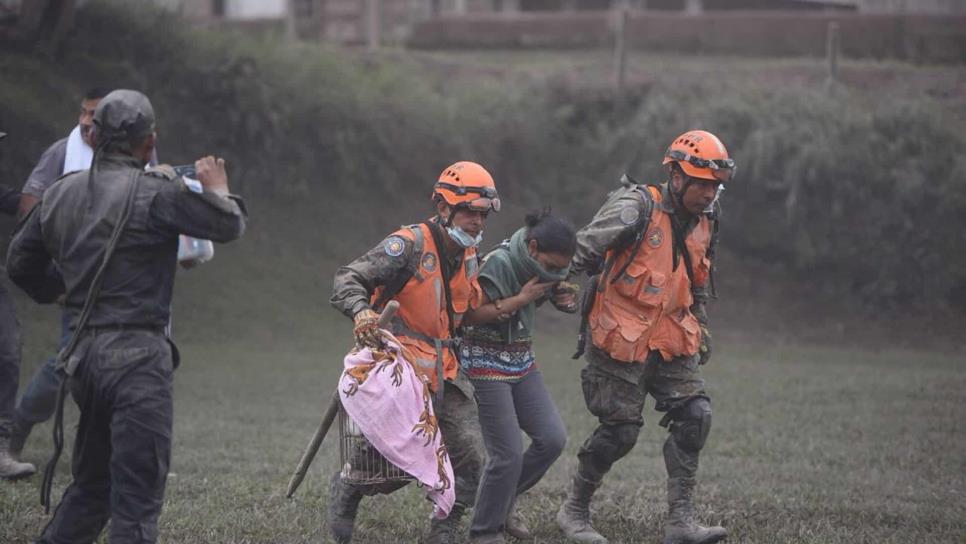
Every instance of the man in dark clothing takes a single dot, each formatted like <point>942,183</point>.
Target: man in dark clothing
<point>9,360</point>
<point>120,370</point>
<point>9,198</point>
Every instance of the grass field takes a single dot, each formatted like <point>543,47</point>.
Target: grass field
<point>824,431</point>
<point>810,444</point>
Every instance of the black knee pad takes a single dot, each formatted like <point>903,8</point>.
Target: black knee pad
<point>611,442</point>
<point>691,424</point>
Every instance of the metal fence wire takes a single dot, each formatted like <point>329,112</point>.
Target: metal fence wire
<point>361,462</point>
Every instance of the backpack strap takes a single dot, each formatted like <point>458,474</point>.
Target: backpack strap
<point>715,217</point>
<point>639,229</point>
<point>681,248</point>
<point>446,272</point>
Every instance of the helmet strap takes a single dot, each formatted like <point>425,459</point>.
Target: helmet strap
<point>439,215</point>
<point>452,214</point>
<point>678,196</point>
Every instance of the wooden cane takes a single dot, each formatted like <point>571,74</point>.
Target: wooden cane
<point>333,410</point>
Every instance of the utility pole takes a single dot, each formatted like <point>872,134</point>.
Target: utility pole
<point>621,15</point>
<point>694,7</point>
<point>291,30</point>
<point>509,6</point>
<point>47,22</point>
<point>373,24</point>
<point>833,46</point>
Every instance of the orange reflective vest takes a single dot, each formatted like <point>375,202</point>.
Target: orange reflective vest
<point>422,305</point>
<point>648,307</point>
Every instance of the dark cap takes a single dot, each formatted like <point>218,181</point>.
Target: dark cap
<point>124,113</point>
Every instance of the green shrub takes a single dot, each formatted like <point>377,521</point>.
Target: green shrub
<point>851,196</point>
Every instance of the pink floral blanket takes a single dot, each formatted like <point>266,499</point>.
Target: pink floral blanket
<point>391,406</point>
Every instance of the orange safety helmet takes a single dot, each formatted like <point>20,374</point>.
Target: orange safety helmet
<point>467,185</point>
<point>701,155</point>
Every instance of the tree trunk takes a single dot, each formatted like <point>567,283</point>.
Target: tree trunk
<point>46,22</point>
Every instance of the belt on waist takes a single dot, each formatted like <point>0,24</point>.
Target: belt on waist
<point>123,327</point>
<point>400,329</point>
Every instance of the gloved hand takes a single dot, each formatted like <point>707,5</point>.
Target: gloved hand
<point>704,351</point>
<point>366,329</point>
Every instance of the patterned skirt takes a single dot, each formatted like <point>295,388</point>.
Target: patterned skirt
<point>485,356</point>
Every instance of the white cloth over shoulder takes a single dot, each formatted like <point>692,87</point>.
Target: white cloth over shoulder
<point>78,155</point>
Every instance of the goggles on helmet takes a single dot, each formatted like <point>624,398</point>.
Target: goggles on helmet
<point>488,198</point>
<point>721,169</point>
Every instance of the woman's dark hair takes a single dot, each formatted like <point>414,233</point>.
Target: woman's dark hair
<point>553,234</point>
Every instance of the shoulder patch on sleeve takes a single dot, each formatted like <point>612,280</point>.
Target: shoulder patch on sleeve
<point>394,246</point>
<point>629,214</point>
<point>164,171</point>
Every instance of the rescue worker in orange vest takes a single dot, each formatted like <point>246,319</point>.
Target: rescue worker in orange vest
<point>431,270</point>
<point>652,248</point>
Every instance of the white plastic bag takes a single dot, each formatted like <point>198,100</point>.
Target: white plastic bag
<point>194,251</point>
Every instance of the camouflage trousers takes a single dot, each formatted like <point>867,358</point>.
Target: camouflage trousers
<point>459,425</point>
<point>615,392</point>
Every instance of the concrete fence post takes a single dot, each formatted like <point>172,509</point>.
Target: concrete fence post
<point>373,24</point>
<point>832,50</point>
<point>620,50</point>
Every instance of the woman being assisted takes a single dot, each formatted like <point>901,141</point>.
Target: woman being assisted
<point>497,353</point>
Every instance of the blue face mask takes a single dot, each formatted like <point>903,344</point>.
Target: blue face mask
<point>462,238</point>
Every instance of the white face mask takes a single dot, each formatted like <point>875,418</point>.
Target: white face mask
<point>462,238</point>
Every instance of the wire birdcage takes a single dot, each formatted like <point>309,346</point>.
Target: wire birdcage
<point>361,462</point>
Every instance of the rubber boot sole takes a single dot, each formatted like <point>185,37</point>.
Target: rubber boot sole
<point>582,537</point>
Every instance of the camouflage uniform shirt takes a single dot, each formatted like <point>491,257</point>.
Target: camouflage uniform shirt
<point>355,282</point>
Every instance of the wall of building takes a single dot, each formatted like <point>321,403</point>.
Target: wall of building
<point>255,9</point>
<point>913,6</point>
<point>192,9</point>
<point>230,9</point>
<point>488,23</point>
<point>919,38</point>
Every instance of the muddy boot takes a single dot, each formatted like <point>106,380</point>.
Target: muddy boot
<point>681,527</point>
<point>515,525</point>
<point>343,505</point>
<point>447,531</point>
<point>574,514</point>
<point>10,468</point>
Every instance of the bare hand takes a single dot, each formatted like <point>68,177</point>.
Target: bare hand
<point>564,299</point>
<point>532,290</point>
<point>212,174</point>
